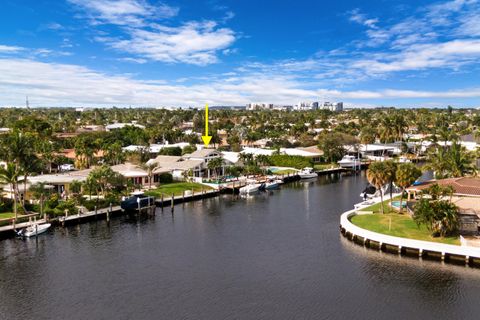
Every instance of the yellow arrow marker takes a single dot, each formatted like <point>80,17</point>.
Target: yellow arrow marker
<point>206,138</point>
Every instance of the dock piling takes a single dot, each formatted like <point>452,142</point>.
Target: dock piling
<point>109,210</point>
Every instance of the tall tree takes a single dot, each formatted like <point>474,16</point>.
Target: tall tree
<point>377,176</point>
<point>40,192</point>
<point>405,176</point>
<point>9,175</point>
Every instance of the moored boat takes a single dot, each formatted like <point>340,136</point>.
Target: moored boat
<point>271,185</point>
<point>34,230</point>
<point>349,162</point>
<point>138,199</point>
<point>250,188</point>
<point>307,173</point>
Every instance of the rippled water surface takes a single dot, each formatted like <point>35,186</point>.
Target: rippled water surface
<point>277,255</point>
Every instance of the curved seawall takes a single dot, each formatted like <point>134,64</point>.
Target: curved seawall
<point>383,242</point>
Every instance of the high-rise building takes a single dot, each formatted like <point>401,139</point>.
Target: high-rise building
<point>259,106</point>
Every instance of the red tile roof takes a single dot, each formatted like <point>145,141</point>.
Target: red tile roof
<point>469,186</point>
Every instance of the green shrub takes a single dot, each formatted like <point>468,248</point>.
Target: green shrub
<point>6,205</point>
<point>165,178</point>
<point>283,160</point>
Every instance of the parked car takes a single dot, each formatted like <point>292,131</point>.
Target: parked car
<point>67,167</point>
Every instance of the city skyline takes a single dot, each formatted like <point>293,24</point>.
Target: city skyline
<point>183,53</point>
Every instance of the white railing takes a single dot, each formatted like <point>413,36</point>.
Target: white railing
<point>420,245</point>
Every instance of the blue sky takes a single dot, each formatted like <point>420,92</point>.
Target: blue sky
<point>187,53</point>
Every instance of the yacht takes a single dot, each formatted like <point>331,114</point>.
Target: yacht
<point>307,173</point>
<point>34,230</point>
<point>349,162</point>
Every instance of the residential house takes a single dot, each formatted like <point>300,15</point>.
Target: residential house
<point>177,166</point>
<point>205,156</point>
<point>466,196</point>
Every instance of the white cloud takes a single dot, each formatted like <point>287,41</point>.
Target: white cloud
<point>134,60</point>
<point>124,12</point>
<point>452,54</point>
<point>52,26</point>
<point>51,84</point>
<point>358,17</point>
<point>10,49</point>
<point>193,43</point>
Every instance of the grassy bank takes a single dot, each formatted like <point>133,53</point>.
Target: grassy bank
<point>285,172</point>
<point>402,225</point>
<point>7,215</point>
<point>177,188</point>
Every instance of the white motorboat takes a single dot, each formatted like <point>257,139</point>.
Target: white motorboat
<point>271,185</point>
<point>250,188</point>
<point>349,162</point>
<point>307,173</point>
<point>34,230</point>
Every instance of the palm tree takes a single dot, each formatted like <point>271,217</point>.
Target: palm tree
<point>406,174</point>
<point>40,192</point>
<point>9,175</point>
<point>150,168</point>
<point>28,167</point>
<point>455,161</point>
<point>377,176</point>
<point>386,130</point>
<point>461,161</point>
<point>390,172</point>
<point>214,164</point>
<point>399,126</point>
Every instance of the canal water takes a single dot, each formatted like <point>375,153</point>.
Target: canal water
<point>276,255</point>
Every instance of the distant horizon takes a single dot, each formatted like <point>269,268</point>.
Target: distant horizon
<point>233,106</point>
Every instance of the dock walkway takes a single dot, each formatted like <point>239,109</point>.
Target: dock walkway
<point>20,225</point>
<point>85,215</point>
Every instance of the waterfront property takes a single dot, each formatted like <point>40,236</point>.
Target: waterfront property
<point>403,245</point>
<point>61,182</point>
<point>177,166</point>
<point>466,196</point>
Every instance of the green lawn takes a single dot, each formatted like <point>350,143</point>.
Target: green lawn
<point>402,225</point>
<point>285,172</point>
<point>176,188</point>
<point>7,215</point>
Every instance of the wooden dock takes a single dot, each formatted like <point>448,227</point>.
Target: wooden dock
<point>20,225</point>
<point>104,213</point>
<point>331,170</point>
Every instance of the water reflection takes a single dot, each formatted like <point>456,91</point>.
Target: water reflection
<point>277,255</point>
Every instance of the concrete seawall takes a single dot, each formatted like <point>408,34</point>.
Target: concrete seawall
<point>382,242</point>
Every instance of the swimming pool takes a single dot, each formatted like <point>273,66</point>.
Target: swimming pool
<point>396,204</point>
